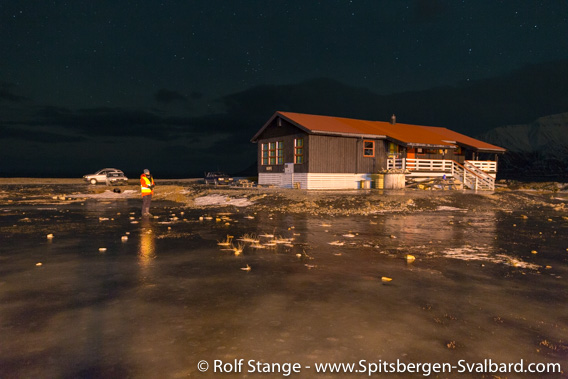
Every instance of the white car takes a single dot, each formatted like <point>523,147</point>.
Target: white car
<point>114,176</point>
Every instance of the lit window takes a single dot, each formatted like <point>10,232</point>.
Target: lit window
<point>299,150</point>
<point>279,155</point>
<point>368,148</point>
<point>271,153</point>
<point>393,148</point>
<point>264,154</point>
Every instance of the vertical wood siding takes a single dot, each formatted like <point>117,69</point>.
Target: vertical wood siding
<point>330,154</point>
<point>322,154</point>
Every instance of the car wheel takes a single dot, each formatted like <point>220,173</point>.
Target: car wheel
<point>93,181</point>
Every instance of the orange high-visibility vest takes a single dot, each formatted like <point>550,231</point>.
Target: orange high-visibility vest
<point>146,185</point>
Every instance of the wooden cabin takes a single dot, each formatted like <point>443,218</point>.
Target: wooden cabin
<point>321,152</point>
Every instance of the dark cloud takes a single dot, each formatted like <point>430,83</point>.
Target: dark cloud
<point>36,135</point>
<point>165,96</point>
<point>196,95</point>
<point>8,94</point>
<point>105,122</point>
<point>50,112</point>
<point>111,122</point>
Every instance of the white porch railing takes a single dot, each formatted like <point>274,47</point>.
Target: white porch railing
<point>473,174</point>
<point>443,165</point>
<point>487,166</point>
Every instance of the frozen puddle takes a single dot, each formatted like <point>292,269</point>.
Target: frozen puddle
<point>222,200</point>
<point>469,253</point>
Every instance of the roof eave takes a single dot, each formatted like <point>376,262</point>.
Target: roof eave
<point>483,149</point>
<point>352,135</point>
<point>428,145</point>
<point>499,151</point>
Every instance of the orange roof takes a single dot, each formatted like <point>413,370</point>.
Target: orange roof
<point>417,135</point>
<point>333,124</point>
<point>450,135</point>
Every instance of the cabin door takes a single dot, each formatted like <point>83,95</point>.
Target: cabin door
<point>288,178</point>
<point>411,153</point>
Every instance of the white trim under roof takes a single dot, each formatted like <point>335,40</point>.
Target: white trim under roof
<point>354,135</point>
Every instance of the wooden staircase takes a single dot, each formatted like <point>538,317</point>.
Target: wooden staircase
<point>472,177</point>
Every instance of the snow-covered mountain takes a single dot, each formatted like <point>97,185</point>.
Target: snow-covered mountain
<point>536,149</point>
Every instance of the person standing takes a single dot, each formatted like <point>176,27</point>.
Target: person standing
<point>147,190</point>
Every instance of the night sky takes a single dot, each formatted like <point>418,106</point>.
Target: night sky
<point>180,87</point>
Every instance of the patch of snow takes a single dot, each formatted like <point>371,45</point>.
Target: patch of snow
<point>221,200</point>
<point>448,208</point>
<point>126,194</point>
<point>469,253</point>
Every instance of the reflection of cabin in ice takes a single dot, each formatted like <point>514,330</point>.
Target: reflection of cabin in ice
<point>322,152</point>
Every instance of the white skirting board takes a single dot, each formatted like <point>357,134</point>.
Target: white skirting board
<point>313,180</point>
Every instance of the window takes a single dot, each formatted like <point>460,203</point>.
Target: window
<point>271,153</point>
<point>393,148</point>
<point>299,150</point>
<point>264,154</point>
<point>368,148</point>
<point>279,155</point>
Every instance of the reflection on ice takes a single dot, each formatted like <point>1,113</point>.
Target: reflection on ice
<point>147,247</point>
<point>289,288</point>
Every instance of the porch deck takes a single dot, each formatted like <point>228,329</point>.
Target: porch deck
<point>476,175</point>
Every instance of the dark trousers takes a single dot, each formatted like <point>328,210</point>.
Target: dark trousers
<point>146,200</point>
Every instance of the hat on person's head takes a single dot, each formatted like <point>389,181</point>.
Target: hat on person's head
<point>146,171</point>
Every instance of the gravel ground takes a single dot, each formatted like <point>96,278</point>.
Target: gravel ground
<point>511,197</point>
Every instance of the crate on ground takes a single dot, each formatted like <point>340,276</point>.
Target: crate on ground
<point>245,183</point>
